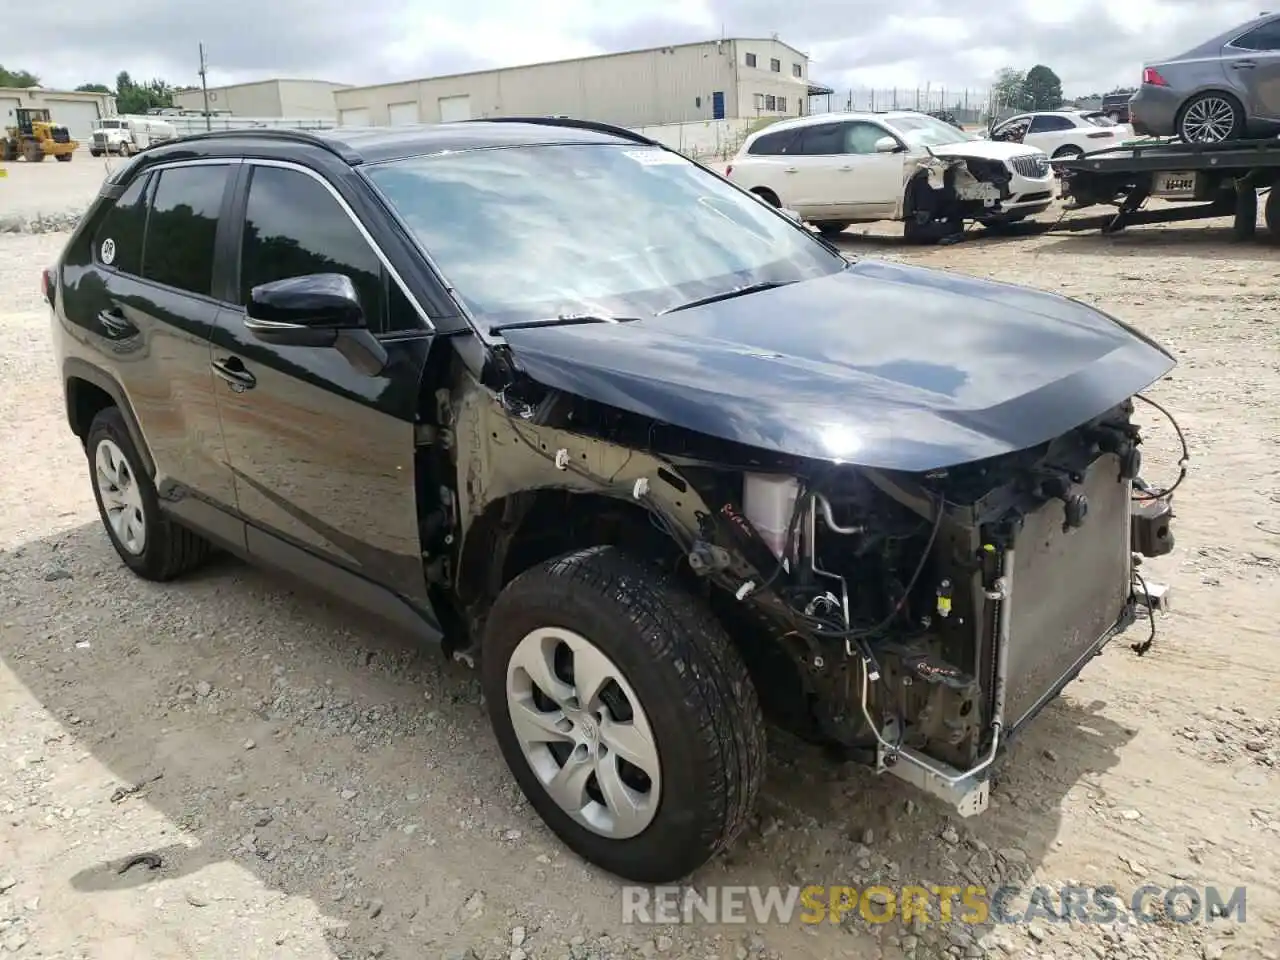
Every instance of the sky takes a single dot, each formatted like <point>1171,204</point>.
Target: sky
<point>1093,45</point>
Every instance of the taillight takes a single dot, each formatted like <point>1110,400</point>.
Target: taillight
<point>1152,76</point>
<point>46,285</point>
<point>728,170</point>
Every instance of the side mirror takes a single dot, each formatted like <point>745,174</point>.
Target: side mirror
<point>303,310</point>
<point>887,145</point>
<point>315,310</point>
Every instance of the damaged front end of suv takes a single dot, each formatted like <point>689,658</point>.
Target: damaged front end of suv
<point>916,619</point>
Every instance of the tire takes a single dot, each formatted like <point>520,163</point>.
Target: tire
<point>1271,214</point>
<point>63,158</point>
<point>677,666</point>
<point>163,550</point>
<point>1244,224</point>
<point>1067,153</point>
<point>95,153</point>
<point>1211,117</point>
<point>768,196</point>
<point>833,228</point>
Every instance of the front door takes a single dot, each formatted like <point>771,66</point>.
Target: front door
<point>873,181</point>
<point>323,454</point>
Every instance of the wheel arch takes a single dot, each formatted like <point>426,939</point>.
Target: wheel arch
<point>768,195</point>
<point>88,391</point>
<point>1215,89</point>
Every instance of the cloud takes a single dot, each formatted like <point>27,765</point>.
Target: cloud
<point>1092,44</point>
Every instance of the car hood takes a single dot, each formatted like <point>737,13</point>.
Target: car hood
<point>881,365</point>
<point>985,149</point>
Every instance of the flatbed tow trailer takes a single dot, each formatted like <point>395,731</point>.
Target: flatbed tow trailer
<point>1214,179</point>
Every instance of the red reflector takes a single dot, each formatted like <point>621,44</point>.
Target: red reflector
<point>728,170</point>
<point>1152,76</point>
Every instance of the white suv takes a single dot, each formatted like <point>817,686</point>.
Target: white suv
<point>1063,133</point>
<point>840,168</point>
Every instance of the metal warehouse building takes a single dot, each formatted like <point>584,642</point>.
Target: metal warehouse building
<point>267,98</point>
<point>77,111</point>
<point>728,79</point>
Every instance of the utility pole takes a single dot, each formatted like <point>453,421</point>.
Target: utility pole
<point>204,87</point>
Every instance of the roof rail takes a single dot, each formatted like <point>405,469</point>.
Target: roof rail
<point>599,127</point>
<point>335,147</point>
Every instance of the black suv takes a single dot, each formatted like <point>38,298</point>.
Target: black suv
<point>657,458</point>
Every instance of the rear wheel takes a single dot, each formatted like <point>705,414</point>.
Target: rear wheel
<point>1211,118</point>
<point>32,152</point>
<point>63,158</point>
<point>149,543</point>
<point>768,196</point>
<point>624,712</point>
<point>833,228</point>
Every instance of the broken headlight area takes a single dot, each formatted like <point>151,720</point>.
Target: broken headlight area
<point>950,190</point>
<point>928,617</point>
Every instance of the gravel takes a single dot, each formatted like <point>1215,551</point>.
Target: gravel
<point>316,786</point>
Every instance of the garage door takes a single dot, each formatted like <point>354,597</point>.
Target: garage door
<point>355,117</point>
<point>78,116</point>
<point>400,113</point>
<point>453,109</point>
<point>8,106</point>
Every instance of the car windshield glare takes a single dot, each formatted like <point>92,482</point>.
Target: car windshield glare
<point>925,131</point>
<point>531,232</point>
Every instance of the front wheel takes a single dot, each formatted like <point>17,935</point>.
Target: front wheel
<point>63,158</point>
<point>624,712</point>
<point>1211,118</point>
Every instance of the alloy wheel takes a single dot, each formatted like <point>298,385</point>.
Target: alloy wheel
<point>1209,120</point>
<point>121,496</point>
<point>583,732</point>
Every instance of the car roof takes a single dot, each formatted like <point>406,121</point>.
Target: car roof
<point>361,145</point>
<point>796,123</point>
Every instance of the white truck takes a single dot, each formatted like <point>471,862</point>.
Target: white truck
<point>128,135</point>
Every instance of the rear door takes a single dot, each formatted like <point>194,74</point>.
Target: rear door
<point>1253,62</point>
<point>149,306</point>
<point>323,454</point>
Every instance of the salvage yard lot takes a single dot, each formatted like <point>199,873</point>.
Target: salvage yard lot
<point>327,790</point>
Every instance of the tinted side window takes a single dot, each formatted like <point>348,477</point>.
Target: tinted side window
<point>1049,124</point>
<point>773,144</point>
<point>293,227</point>
<point>824,140</point>
<point>123,226</point>
<point>1265,37</point>
<point>183,226</point>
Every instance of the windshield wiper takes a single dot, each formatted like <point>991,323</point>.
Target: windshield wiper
<point>564,320</point>
<point>729,294</point>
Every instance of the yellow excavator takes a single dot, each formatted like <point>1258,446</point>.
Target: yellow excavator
<point>35,136</point>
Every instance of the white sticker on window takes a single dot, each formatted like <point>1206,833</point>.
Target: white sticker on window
<point>108,251</point>
<point>653,158</point>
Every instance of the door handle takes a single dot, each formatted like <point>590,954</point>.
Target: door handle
<point>791,170</point>
<point>1244,65</point>
<point>232,370</point>
<point>115,323</point>
<point>846,167</point>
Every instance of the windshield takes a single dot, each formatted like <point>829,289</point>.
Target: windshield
<point>531,232</point>
<point>110,124</point>
<point>925,131</point>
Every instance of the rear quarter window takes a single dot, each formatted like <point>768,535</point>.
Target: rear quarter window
<point>117,243</point>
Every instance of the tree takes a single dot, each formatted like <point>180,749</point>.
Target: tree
<point>1009,90</point>
<point>18,78</point>
<point>1042,89</point>
<point>133,97</point>
<point>93,88</point>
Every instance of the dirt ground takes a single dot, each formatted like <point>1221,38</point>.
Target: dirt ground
<point>316,787</point>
